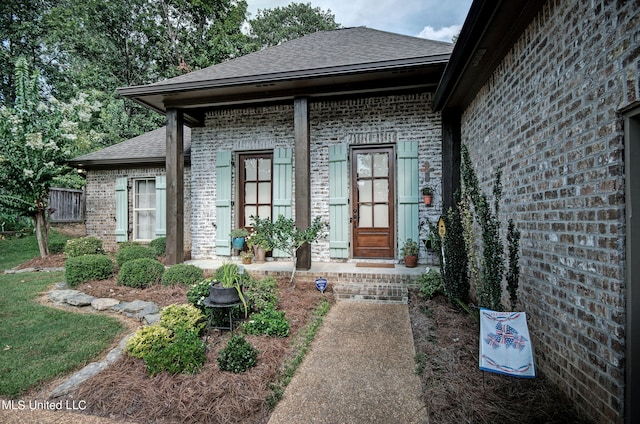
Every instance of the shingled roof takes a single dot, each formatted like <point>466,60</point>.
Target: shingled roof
<point>148,149</point>
<point>324,63</point>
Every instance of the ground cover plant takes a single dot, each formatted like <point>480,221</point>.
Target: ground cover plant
<point>40,342</point>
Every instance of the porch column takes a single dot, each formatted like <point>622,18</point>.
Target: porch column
<point>302,175</point>
<point>451,143</point>
<point>175,187</point>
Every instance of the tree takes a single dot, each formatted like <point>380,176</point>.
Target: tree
<point>271,27</point>
<point>35,136</point>
<point>289,238</point>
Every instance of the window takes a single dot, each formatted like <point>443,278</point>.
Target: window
<point>144,209</point>
<point>255,187</point>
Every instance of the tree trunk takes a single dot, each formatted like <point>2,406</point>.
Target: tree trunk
<point>41,233</point>
<point>293,272</point>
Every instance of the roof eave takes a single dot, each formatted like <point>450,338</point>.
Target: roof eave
<point>489,31</point>
<point>119,163</point>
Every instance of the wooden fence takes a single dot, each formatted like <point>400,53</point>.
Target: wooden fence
<point>68,205</point>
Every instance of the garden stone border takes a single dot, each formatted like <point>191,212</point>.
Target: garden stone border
<point>146,312</point>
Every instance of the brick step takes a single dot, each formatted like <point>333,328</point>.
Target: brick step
<point>371,292</point>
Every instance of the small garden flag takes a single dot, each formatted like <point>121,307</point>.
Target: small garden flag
<point>505,344</point>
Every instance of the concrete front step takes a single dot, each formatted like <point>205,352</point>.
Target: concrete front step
<point>371,292</point>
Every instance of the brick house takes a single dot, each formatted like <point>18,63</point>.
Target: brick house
<point>350,124</point>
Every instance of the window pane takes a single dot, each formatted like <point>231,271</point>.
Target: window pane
<point>381,216</point>
<point>364,191</point>
<point>145,194</point>
<point>366,218</point>
<point>381,191</point>
<point>381,164</point>
<point>264,192</point>
<point>250,193</point>
<point>264,169</point>
<point>145,225</point>
<point>250,169</point>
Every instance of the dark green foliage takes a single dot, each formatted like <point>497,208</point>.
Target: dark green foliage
<point>269,322</point>
<point>83,246</point>
<point>430,283</point>
<point>513,273</point>
<point>490,288</point>
<point>456,260</point>
<point>262,293</point>
<point>238,356</point>
<point>140,273</point>
<point>130,253</point>
<point>159,246</point>
<point>182,274</point>
<point>56,246</point>
<point>80,269</point>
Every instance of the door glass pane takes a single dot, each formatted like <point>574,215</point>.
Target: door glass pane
<point>250,193</point>
<point>364,165</point>
<point>248,211</point>
<point>264,169</point>
<point>250,169</point>
<point>381,191</point>
<point>364,191</point>
<point>264,192</point>
<point>366,216</point>
<point>381,216</point>
<point>381,165</point>
<point>264,211</point>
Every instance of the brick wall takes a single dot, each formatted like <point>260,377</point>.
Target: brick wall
<point>101,203</point>
<point>547,117</point>
<point>371,120</point>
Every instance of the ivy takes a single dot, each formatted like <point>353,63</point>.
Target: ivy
<point>513,274</point>
<point>456,278</point>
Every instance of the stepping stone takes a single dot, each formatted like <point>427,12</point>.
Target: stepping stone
<point>80,299</point>
<point>70,297</point>
<point>136,308</point>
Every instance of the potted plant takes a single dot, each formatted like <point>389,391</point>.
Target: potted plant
<point>237,237</point>
<point>247,256</point>
<point>261,237</point>
<point>226,287</point>
<point>410,251</point>
<point>427,193</point>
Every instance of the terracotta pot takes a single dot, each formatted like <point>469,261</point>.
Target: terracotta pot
<point>428,200</point>
<point>260,254</point>
<point>411,261</point>
<point>246,260</point>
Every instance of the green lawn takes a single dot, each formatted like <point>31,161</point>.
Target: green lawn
<point>38,343</point>
<point>16,250</point>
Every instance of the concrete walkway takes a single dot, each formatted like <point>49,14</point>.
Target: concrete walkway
<point>360,369</point>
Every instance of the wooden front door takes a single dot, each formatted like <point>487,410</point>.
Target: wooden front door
<point>372,218</point>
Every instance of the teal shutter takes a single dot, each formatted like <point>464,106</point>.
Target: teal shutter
<point>223,203</point>
<point>338,202</point>
<point>122,210</point>
<point>408,191</point>
<point>161,206</point>
<point>282,186</point>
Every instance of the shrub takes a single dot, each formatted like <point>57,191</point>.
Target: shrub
<point>159,246</point>
<point>430,283</point>
<point>182,274</point>
<point>146,338</point>
<point>184,354</point>
<point>262,293</point>
<point>127,244</point>
<point>182,316</point>
<point>79,269</point>
<point>238,356</point>
<point>56,246</point>
<point>126,254</point>
<point>83,246</point>
<point>269,323</point>
<point>172,345</point>
<point>140,273</point>
<point>198,292</point>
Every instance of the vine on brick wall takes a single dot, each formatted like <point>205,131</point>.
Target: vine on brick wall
<point>456,277</point>
<point>513,273</point>
<point>492,264</point>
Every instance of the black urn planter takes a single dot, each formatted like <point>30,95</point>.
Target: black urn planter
<point>223,295</point>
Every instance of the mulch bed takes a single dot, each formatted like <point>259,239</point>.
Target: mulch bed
<point>446,342</point>
<point>454,388</point>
